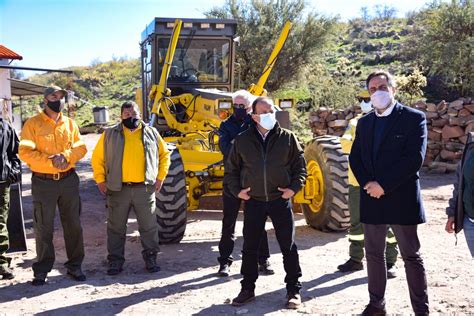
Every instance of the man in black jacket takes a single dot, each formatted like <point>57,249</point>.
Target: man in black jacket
<point>228,130</point>
<point>387,153</point>
<point>266,168</point>
<point>9,173</point>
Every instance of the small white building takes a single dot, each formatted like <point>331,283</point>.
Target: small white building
<point>6,57</point>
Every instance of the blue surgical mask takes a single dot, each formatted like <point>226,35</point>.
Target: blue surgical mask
<point>267,120</point>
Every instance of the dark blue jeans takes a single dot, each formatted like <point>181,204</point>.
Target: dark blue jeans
<point>226,244</point>
<point>255,216</point>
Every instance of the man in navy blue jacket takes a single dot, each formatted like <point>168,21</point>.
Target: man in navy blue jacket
<point>228,130</point>
<point>386,157</point>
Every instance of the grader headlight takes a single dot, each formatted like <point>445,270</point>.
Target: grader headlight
<point>224,108</point>
<point>225,105</point>
<point>285,103</point>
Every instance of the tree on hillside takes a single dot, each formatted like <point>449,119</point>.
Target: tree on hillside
<point>442,43</point>
<point>384,12</point>
<point>260,23</point>
<point>364,14</point>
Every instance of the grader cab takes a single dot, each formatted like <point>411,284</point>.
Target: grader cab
<point>187,69</point>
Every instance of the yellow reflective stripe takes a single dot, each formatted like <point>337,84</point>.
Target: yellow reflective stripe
<point>391,240</point>
<point>28,143</point>
<point>356,237</point>
<point>78,143</point>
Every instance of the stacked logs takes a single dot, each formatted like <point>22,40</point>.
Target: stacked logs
<point>448,124</point>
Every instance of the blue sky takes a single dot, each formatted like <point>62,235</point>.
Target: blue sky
<point>57,34</point>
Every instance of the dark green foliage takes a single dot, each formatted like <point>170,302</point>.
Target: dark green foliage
<point>442,43</point>
<point>260,23</point>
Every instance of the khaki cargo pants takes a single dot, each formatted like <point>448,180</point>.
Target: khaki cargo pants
<point>46,195</point>
<point>142,199</point>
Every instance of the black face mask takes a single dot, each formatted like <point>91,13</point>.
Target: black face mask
<point>240,114</point>
<point>55,106</point>
<point>131,122</point>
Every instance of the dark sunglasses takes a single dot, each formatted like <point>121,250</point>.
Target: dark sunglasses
<point>366,100</point>
<point>239,106</point>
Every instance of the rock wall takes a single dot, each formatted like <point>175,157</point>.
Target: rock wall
<point>447,122</point>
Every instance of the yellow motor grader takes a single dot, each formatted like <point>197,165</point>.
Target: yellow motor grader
<point>187,68</point>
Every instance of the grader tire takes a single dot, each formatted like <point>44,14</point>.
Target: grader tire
<point>331,212</point>
<point>171,203</point>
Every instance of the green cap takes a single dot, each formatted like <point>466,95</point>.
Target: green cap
<point>53,89</point>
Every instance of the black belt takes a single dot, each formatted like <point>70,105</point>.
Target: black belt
<point>54,176</point>
<point>133,184</point>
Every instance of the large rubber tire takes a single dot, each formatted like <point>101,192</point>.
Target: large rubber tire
<point>171,203</point>
<point>331,212</point>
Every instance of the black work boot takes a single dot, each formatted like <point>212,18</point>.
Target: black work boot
<point>265,268</point>
<point>6,273</point>
<point>224,270</point>
<point>150,261</point>
<point>244,296</point>
<point>350,265</point>
<point>39,279</point>
<point>371,310</point>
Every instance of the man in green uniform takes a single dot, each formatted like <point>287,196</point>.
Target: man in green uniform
<point>9,173</point>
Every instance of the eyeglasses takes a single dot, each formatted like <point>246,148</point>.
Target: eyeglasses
<point>366,100</point>
<point>239,106</point>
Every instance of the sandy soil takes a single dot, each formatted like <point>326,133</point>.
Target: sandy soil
<point>188,285</point>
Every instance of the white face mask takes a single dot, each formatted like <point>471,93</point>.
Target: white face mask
<point>381,99</point>
<point>267,120</point>
<point>366,107</point>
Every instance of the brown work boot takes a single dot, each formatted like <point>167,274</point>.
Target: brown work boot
<point>293,300</point>
<point>244,296</point>
<point>6,273</point>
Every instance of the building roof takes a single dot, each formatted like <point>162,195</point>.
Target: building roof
<point>6,53</point>
<point>22,88</point>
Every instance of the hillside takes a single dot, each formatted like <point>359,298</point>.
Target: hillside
<point>369,44</point>
<point>103,84</point>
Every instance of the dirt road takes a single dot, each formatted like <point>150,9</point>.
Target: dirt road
<point>188,285</point>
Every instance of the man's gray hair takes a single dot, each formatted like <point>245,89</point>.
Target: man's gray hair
<point>129,104</point>
<point>382,73</point>
<point>244,94</point>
